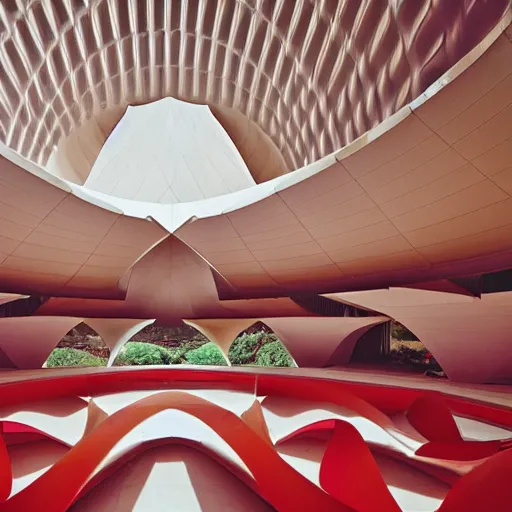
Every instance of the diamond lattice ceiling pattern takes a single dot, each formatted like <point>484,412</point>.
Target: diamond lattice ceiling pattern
<point>313,75</point>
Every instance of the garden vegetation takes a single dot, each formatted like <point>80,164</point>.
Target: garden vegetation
<point>259,348</point>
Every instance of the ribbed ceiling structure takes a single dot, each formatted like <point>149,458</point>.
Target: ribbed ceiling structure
<point>314,75</point>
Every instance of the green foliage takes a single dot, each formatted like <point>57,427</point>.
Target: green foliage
<point>245,348</point>
<point>399,332</point>
<point>73,357</point>
<point>273,354</point>
<point>176,355</point>
<point>259,347</point>
<point>138,353</point>
<point>208,353</point>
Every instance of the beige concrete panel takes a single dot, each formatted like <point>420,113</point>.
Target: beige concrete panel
<point>399,298</point>
<point>469,87</point>
<point>63,235</point>
<point>131,234</point>
<point>470,199</point>
<point>328,188</point>
<point>490,217</point>
<point>36,266</point>
<point>480,112</point>
<point>101,272</point>
<point>226,257</point>
<point>457,180</point>
<point>33,282</point>
<point>495,159</point>
<point>248,221</point>
<point>241,269</point>
<point>25,200</point>
<point>115,332</point>
<point>312,341</point>
<point>42,238</point>
<point>486,136</point>
<point>7,246</point>
<point>295,278</point>
<point>295,230</point>
<point>384,247</point>
<point>357,204</point>
<point>171,282</point>
<point>416,157</point>
<point>480,244</point>
<point>439,166</point>
<point>265,307</point>
<point>263,211</point>
<point>407,134</point>
<point>75,214</point>
<point>457,329</point>
<point>23,218</point>
<point>372,233</point>
<point>208,230</point>
<point>27,193</point>
<point>301,249</point>
<point>442,285</point>
<point>349,224</point>
<point>298,262</point>
<point>299,237</point>
<point>65,224</point>
<point>504,180</point>
<point>246,284</point>
<point>50,254</point>
<point>28,341</point>
<point>219,245</point>
<point>108,261</point>
<point>380,263</point>
<point>13,231</point>
<point>120,248</point>
<point>44,229</point>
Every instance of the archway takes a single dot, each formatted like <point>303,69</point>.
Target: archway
<point>408,352</point>
<point>80,346</point>
<point>158,345</point>
<point>394,346</point>
<point>259,345</point>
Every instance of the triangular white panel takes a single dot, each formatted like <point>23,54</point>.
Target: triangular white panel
<point>169,151</point>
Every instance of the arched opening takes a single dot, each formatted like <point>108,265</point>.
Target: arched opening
<point>161,345</point>
<point>392,346</point>
<point>259,346</point>
<point>81,346</point>
<point>408,352</point>
<point>373,345</point>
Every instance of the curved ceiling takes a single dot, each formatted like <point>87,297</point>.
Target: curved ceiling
<point>313,75</point>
